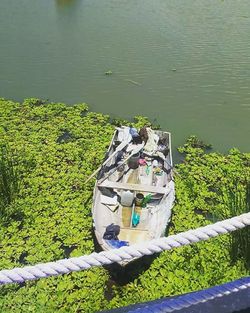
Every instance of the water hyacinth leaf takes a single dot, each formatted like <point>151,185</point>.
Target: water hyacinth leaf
<point>56,206</point>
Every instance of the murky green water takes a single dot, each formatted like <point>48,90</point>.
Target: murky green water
<point>185,64</point>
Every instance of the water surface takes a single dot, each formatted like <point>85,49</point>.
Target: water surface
<point>185,64</point>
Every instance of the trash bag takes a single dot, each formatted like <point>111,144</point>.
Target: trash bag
<point>133,132</point>
<point>107,192</point>
<point>112,231</point>
<point>144,134</point>
<point>136,138</point>
<point>163,146</point>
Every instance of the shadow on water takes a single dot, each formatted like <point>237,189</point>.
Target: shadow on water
<point>122,275</point>
<point>65,3</point>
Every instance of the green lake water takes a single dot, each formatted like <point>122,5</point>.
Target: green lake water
<point>185,64</point>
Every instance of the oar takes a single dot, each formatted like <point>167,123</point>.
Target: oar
<point>172,168</point>
<point>165,159</point>
<point>119,148</point>
<point>136,150</point>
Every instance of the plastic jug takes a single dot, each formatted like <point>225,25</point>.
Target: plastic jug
<point>127,198</point>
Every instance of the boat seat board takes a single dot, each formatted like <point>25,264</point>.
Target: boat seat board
<point>137,187</point>
<point>126,216</point>
<point>134,236</point>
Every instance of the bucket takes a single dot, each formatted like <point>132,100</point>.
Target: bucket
<point>133,162</point>
<point>138,199</point>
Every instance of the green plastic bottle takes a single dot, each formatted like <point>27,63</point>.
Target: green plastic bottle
<point>146,200</point>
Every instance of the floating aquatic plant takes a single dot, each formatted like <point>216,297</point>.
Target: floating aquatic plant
<point>57,221</point>
<point>109,72</point>
<point>9,184</point>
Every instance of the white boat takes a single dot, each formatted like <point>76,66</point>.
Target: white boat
<point>134,192</point>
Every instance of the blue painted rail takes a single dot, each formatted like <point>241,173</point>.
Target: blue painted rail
<point>227,298</point>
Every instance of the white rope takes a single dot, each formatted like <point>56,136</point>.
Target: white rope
<point>18,275</point>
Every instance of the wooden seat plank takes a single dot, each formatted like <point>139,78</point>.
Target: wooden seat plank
<point>136,187</point>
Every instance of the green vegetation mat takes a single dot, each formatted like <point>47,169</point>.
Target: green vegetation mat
<point>47,152</point>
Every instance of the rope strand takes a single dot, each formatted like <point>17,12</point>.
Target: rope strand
<point>127,253</point>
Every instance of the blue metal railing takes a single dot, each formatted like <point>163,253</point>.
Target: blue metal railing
<point>227,298</point>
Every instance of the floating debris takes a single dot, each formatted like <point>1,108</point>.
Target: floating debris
<point>133,82</point>
<point>109,72</point>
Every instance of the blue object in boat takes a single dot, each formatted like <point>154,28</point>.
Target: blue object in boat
<point>133,132</point>
<point>135,219</point>
<point>117,243</point>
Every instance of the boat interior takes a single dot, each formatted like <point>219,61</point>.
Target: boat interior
<point>126,192</point>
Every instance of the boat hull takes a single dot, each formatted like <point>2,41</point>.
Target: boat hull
<point>115,199</point>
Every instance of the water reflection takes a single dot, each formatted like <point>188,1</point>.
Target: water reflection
<point>64,3</point>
